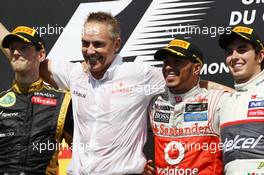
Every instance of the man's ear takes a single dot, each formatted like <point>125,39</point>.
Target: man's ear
<point>117,44</point>
<point>261,56</point>
<point>197,68</point>
<point>42,55</point>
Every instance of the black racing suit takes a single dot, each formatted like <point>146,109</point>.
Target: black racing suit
<point>33,122</point>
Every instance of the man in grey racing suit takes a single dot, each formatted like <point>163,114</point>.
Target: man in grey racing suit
<point>242,116</point>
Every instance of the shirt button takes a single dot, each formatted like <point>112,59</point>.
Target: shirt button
<point>178,99</point>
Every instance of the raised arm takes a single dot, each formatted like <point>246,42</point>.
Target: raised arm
<point>3,33</point>
<point>45,72</point>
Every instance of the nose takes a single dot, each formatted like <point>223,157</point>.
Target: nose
<point>167,66</point>
<point>90,50</point>
<point>15,53</point>
<point>234,55</point>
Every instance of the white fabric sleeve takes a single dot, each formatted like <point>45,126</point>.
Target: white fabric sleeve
<point>154,81</point>
<point>219,106</point>
<point>61,72</point>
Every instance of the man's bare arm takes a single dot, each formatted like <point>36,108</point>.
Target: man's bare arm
<point>3,33</point>
<point>45,72</point>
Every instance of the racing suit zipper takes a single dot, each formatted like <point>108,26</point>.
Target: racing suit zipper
<point>28,121</point>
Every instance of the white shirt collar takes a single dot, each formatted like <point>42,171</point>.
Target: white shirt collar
<point>177,98</point>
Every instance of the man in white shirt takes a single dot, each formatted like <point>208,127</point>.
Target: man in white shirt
<point>109,102</point>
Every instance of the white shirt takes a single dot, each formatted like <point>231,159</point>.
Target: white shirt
<point>110,115</point>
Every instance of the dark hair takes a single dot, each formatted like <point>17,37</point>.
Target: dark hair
<point>257,50</point>
<point>104,17</point>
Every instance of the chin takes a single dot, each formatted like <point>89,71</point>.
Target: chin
<point>240,79</point>
<point>172,85</point>
<point>95,68</point>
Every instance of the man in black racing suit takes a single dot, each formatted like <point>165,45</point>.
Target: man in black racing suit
<point>33,116</point>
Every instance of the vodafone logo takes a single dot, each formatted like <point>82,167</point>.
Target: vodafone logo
<point>44,101</point>
<point>174,153</point>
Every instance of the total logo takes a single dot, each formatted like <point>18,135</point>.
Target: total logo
<point>241,143</point>
<point>44,101</point>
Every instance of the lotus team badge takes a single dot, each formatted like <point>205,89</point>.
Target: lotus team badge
<point>8,100</point>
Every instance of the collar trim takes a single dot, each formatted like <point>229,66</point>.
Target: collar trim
<point>36,86</point>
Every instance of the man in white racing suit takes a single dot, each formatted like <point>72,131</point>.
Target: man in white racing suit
<point>185,118</point>
<point>242,116</point>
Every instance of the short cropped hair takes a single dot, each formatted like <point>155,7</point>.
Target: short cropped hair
<point>107,18</point>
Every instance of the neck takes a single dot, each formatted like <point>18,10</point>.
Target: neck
<point>180,91</point>
<point>26,80</point>
<point>186,87</point>
<point>98,75</point>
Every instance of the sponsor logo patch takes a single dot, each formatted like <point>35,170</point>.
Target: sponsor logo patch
<point>79,94</point>
<point>243,30</point>
<point>194,129</point>
<point>174,153</point>
<point>8,115</point>
<point>261,165</point>
<point>191,117</point>
<point>178,99</point>
<point>162,107</point>
<point>196,107</point>
<point>256,112</point>
<point>44,94</point>
<point>256,104</point>
<point>241,143</point>
<point>179,43</point>
<point>24,29</point>
<point>162,117</point>
<point>8,100</point>
<point>44,101</point>
<point>7,134</point>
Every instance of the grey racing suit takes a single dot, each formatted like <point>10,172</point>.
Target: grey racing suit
<point>242,129</point>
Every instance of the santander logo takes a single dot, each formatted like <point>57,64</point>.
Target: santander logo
<point>44,101</point>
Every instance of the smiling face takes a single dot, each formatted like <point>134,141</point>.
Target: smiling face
<point>180,74</point>
<point>242,60</point>
<point>98,47</point>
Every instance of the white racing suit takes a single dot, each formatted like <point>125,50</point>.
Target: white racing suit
<point>242,129</point>
<point>185,128</point>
